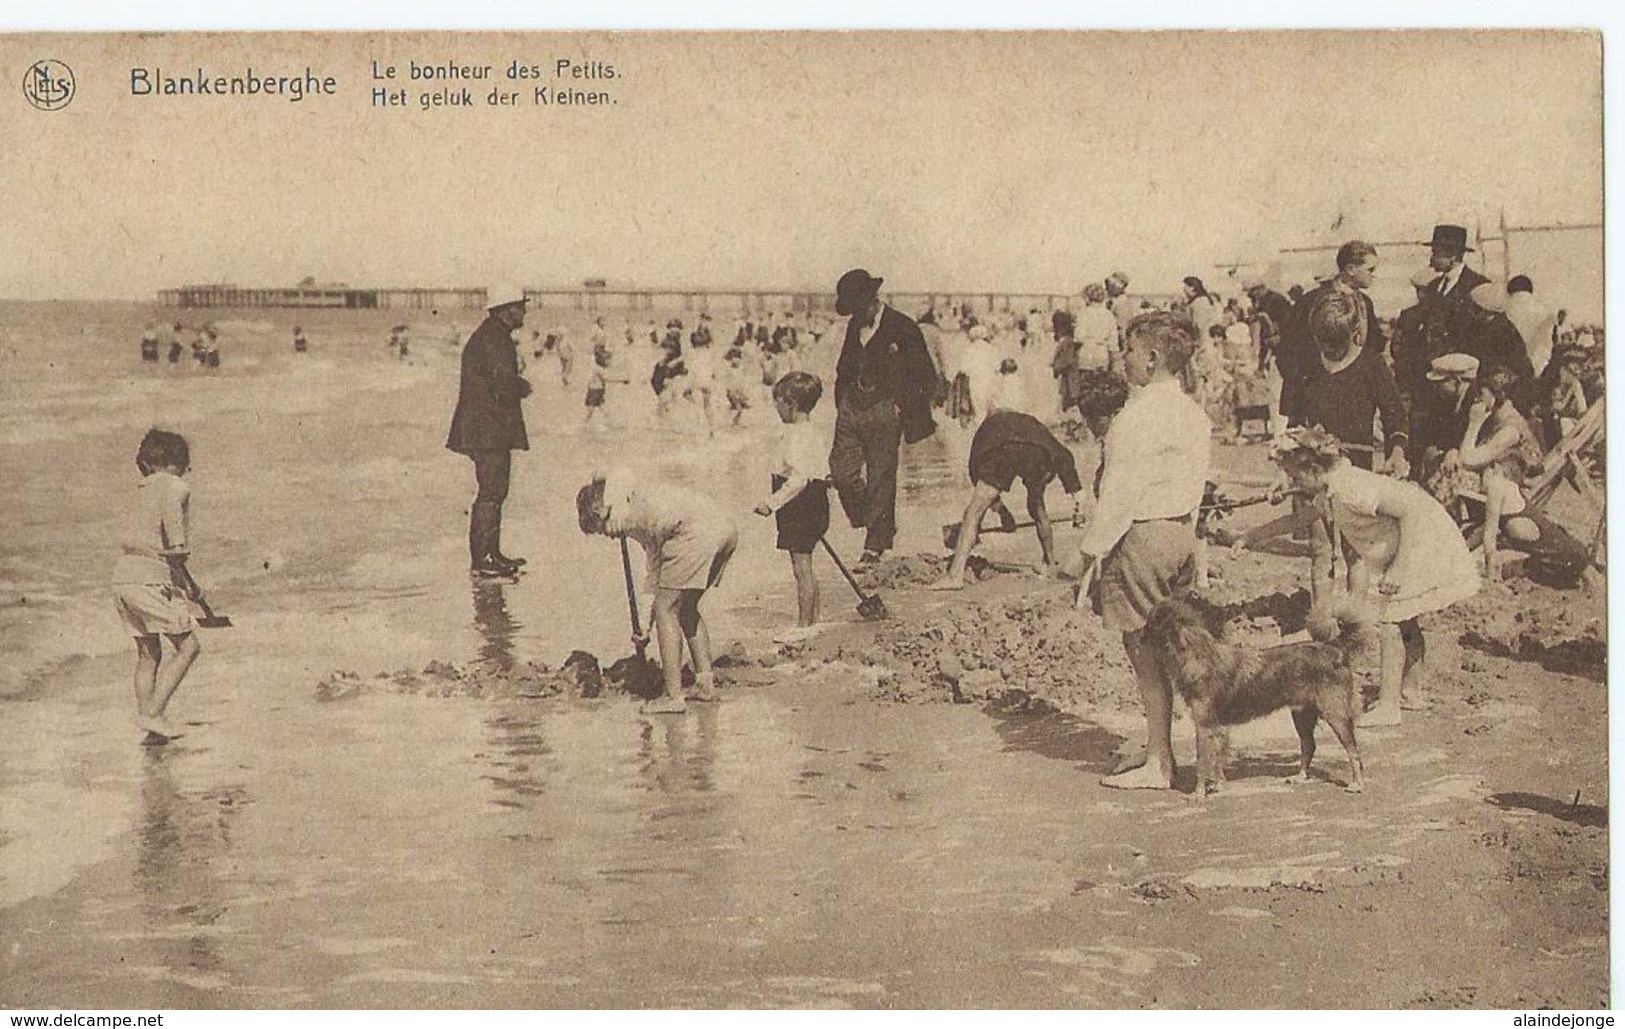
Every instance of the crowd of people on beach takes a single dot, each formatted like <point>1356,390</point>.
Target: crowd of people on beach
<point>1400,442</point>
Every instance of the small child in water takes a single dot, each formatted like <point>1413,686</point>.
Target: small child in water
<point>800,474</point>
<point>598,382</point>
<point>688,540</point>
<point>150,584</point>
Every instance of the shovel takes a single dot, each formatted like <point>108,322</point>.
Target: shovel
<point>950,533</point>
<point>870,606</point>
<point>638,639</point>
<point>210,620</point>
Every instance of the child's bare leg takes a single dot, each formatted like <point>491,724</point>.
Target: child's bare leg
<point>1391,665</point>
<point>806,589</point>
<point>1155,770</point>
<point>1040,516</point>
<point>1494,504</point>
<point>669,635</point>
<point>982,497</point>
<point>171,672</point>
<point>699,644</point>
<point>1359,574</point>
<point>149,651</point>
<point>1416,651</point>
<point>1320,558</point>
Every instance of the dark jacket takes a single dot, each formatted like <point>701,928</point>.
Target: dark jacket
<point>1013,429</point>
<point>1345,403</point>
<point>1454,319</point>
<point>1278,309</point>
<point>893,366</point>
<point>1417,341</point>
<point>1298,358</point>
<point>488,395</point>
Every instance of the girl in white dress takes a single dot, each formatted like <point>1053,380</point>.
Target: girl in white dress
<point>1415,553</point>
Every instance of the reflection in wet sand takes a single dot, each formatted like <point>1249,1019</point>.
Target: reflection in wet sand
<point>182,834</point>
<point>496,627</point>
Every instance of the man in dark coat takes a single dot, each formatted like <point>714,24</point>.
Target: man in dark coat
<point>884,381</point>
<point>488,425</point>
<point>1298,358</point>
<point>1486,333</point>
<point>1417,338</point>
<point>1453,287</point>
<point>1276,315</point>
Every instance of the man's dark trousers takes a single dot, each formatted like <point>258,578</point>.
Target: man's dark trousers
<point>863,466</point>
<point>491,471</point>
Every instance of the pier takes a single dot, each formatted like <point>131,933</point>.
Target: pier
<point>729,302</point>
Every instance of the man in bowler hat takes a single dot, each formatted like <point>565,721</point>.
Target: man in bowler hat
<point>884,380</point>
<point>488,425</point>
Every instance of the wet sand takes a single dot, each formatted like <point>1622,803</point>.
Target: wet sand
<point>807,842</point>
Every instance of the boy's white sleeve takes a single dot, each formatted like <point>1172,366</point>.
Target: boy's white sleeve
<point>177,517</point>
<point>807,460</point>
<point>1114,510</point>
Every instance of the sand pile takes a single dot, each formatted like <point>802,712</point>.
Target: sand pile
<point>1007,652</point>
<point>923,569</point>
<point>1524,621</point>
<point>581,675</point>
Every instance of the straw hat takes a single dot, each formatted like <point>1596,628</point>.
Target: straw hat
<point>1450,366</point>
<point>502,294</point>
<point>1491,296</point>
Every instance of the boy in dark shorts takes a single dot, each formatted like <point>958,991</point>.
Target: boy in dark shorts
<point>800,499</point>
<point>1009,445</point>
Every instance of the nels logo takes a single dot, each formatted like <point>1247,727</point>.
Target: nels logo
<point>48,85</point>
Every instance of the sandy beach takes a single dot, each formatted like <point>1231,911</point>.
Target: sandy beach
<point>848,827</point>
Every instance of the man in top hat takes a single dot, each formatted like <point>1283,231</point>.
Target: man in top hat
<point>884,380</point>
<point>488,425</point>
<point>1453,283</point>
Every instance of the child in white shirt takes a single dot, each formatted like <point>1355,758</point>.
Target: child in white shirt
<point>800,498</point>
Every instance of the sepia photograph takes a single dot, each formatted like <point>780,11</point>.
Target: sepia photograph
<point>886,520</point>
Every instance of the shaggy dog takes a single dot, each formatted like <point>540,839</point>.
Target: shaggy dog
<point>1225,685</point>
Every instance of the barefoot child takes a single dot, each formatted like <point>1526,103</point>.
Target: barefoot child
<point>598,382</point>
<point>800,499</point>
<point>1407,540</point>
<point>688,540</point>
<point>150,585</point>
<point>1141,543</point>
<point>1009,445</point>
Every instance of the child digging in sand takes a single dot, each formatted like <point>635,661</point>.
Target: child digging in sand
<point>688,540</point>
<point>800,499</point>
<point>150,585</point>
<point>1009,445</point>
<point>1407,540</point>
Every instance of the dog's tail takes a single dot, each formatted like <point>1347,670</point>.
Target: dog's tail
<point>1341,621</point>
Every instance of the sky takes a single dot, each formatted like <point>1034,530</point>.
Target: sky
<point>1016,161</point>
